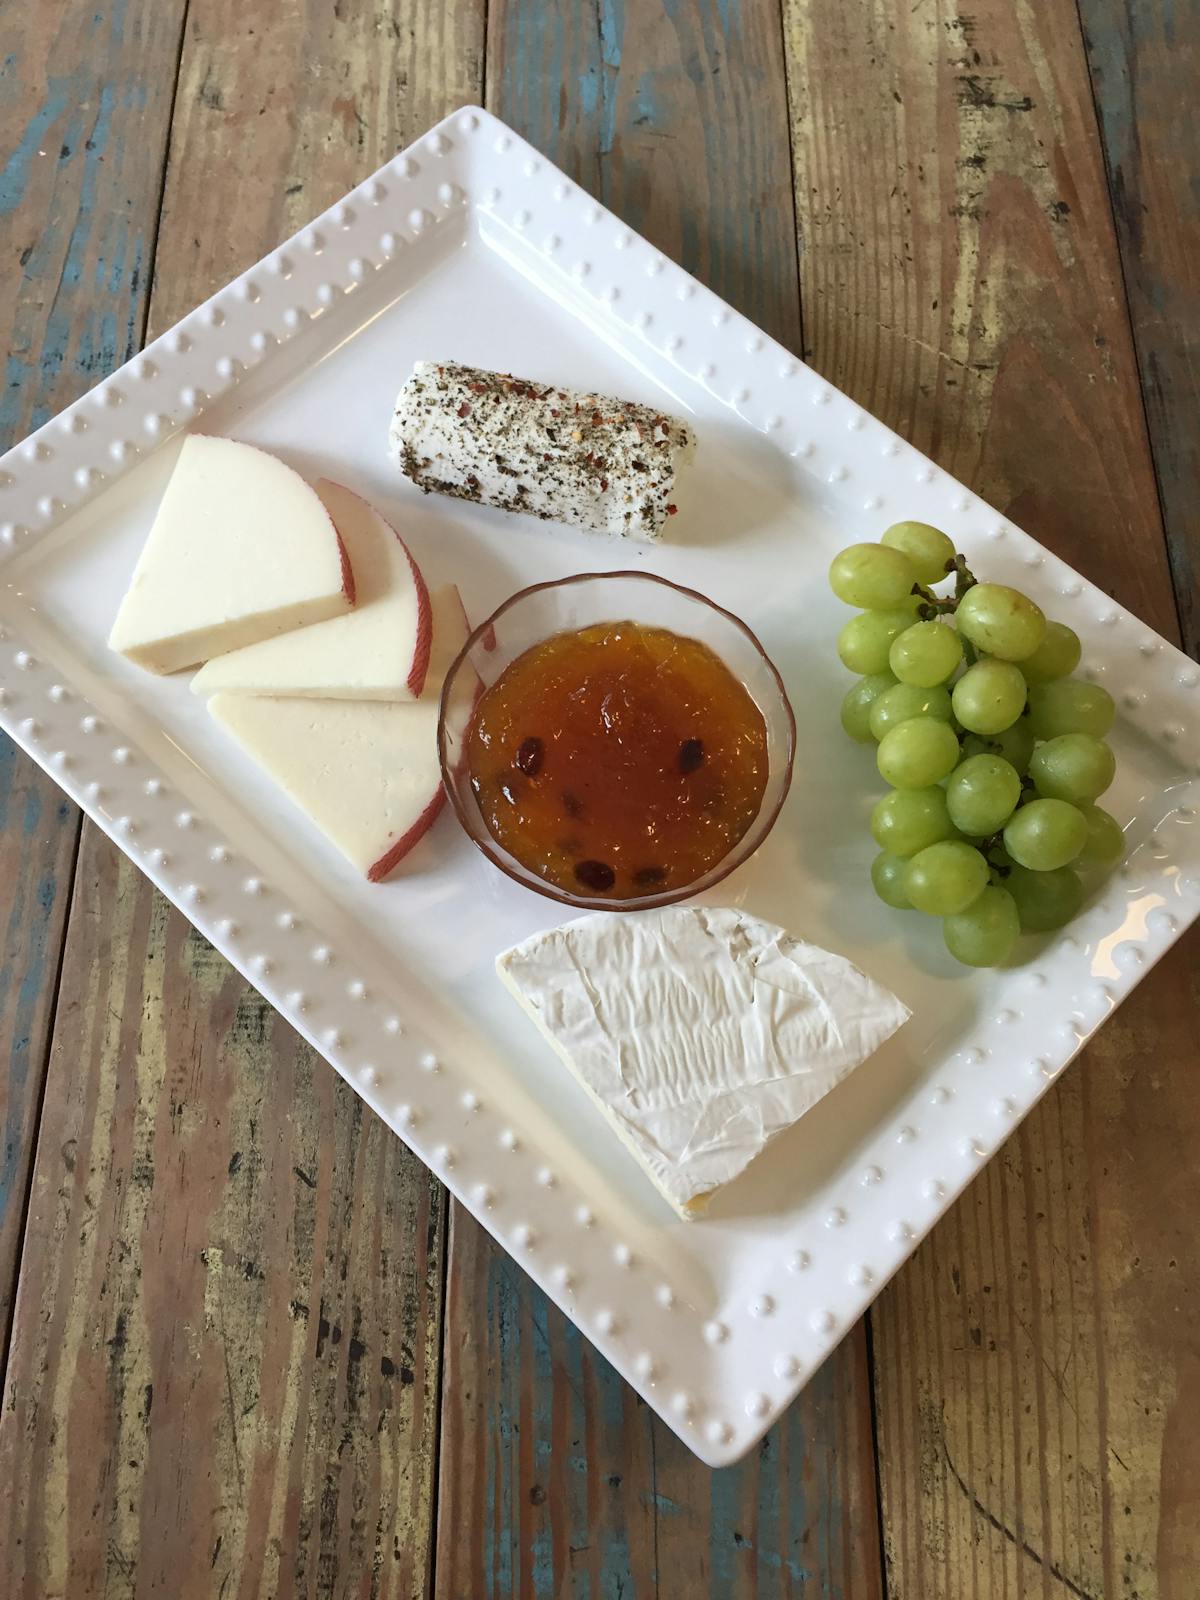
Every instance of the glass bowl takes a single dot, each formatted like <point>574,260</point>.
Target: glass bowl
<point>533,614</point>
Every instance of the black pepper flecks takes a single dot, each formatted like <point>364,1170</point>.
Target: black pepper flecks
<point>593,460</point>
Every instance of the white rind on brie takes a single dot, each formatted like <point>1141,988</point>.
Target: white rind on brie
<point>701,1033</point>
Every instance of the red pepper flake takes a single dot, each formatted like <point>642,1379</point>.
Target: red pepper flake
<point>464,410</point>
<point>553,412</point>
<point>477,388</point>
<point>671,510</point>
<point>603,485</point>
<point>596,419</point>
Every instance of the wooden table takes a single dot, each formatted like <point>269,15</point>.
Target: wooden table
<point>250,1349</point>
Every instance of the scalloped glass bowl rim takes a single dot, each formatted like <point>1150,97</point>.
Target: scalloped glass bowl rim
<point>758,831</point>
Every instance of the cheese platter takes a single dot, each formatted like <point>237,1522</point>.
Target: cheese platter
<point>292,492</point>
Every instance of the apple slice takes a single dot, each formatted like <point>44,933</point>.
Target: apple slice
<point>241,549</point>
<point>365,771</point>
<point>378,651</point>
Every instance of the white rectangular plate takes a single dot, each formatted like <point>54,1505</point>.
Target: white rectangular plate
<point>473,247</point>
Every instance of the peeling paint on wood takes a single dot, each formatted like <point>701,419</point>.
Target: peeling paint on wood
<point>85,95</point>
<point>226,1352</point>
<point>225,1367</point>
<point>1145,63</point>
<point>218,1367</point>
<point>1035,1360</point>
<point>554,1478</point>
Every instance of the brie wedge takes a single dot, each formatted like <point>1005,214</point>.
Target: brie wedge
<point>241,549</point>
<point>365,771</point>
<point>378,651</point>
<point>700,1033</point>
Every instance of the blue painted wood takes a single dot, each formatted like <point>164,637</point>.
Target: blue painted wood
<point>1144,60</point>
<point>555,1478</point>
<point>85,95</point>
<point>675,115</point>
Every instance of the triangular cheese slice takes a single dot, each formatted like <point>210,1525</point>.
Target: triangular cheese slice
<point>366,772</point>
<point>378,651</point>
<point>241,549</point>
<point>700,1033</point>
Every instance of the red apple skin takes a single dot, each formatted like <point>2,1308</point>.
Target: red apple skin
<point>420,661</point>
<point>392,857</point>
<point>420,666</point>
<point>347,569</point>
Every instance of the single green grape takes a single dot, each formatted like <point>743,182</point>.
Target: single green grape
<point>1069,706</point>
<point>1105,842</point>
<point>929,549</point>
<point>1045,834</point>
<point>1056,656</point>
<point>906,820</point>
<point>887,877</point>
<point>945,878</point>
<point>859,698</point>
<point>984,934</point>
<point>1000,621</point>
<point>990,696</point>
<point>1073,766</point>
<point>904,700</point>
<point>1015,744</point>
<point>982,794</point>
<point>1044,900</point>
<point>864,642</point>
<point>926,654</point>
<point>917,753</point>
<point>873,577</point>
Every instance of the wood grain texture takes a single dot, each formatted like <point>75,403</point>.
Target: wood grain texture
<point>554,1478</point>
<point>229,1298</point>
<point>85,100</point>
<point>284,107</point>
<point>960,275</point>
<point>557,1480</point>
<point>1145,65</point>
<point>675,116</point>
<point>224,1370</point>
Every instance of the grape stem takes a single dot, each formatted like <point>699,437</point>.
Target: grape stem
<point>936,605</point>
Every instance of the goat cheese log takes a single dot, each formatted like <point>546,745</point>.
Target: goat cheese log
<point>587,459</point>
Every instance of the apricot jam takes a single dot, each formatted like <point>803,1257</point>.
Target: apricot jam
<point>618,760</point>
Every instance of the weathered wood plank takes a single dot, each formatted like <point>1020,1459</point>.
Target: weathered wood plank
<point>1145,64</point>
<point>85,100</point>
<point>554,1479</point>
<point>230,1294</point>
<point>1036,1359</point>
<point>226,1346</point>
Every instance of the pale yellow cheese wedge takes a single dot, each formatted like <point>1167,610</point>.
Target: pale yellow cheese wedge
<point>241,549</point>
<point>378,651</point>
<point>366,772</point>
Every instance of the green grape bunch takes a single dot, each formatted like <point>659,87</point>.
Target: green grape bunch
<point>994,755</point>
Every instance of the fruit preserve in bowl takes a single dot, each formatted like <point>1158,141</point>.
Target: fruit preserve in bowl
<point>631,742</point>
